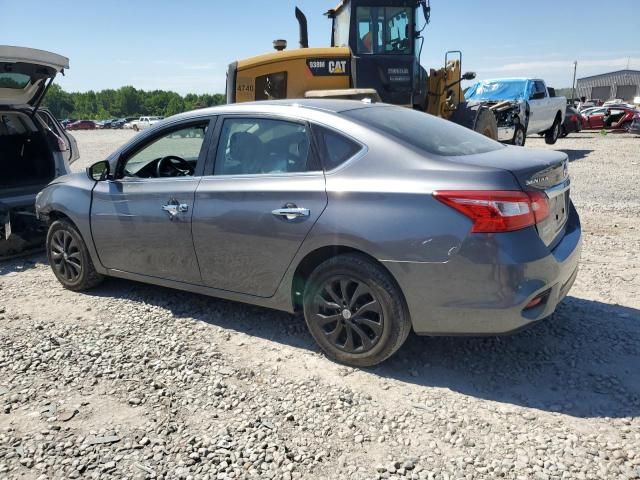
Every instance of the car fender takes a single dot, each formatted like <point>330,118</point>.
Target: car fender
<point>70,196</point>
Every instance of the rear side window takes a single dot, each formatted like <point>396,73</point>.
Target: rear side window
<point>424,132</point>
<point>14,80</point>
<point>336,149</point>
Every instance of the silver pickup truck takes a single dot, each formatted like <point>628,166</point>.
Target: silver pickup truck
<point>523,106</point>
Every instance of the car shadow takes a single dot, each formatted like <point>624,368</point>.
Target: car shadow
<point>10,266</point>
<point>575,154</point>
<point>581,362</point>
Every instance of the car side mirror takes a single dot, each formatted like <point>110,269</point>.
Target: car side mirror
<point>99,171</point>
<point>537,96</point>
<point>469,75</point>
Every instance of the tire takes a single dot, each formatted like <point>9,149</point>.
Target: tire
<point>351,297</point>
<point>69,258</point>
<point>486,124</point>
<point>563,132</point>
<point>551,136</point>
<point>519,136</point>
<point>477,118</point>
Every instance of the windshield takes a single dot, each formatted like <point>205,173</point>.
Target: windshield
<point>498,90</point>
<point>384,30</point>
<point>422,131</point>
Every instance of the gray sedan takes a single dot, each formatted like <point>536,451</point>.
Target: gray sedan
<point>371,219</point>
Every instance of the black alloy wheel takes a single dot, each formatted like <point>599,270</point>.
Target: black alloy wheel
<point>349,314</point>
<point>66,257</point>
<point>69,258</point>
<point>355,310</point>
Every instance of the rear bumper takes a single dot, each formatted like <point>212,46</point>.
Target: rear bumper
<point>485,287</point>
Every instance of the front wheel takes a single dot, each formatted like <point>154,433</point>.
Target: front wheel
<point>551,136</point>
<point>519,136</point>
<point>355,311</point>
<point>69,258</point>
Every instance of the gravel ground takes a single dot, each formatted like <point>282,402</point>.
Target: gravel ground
<point>137,381</point>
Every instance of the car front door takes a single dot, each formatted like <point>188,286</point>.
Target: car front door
<point>141,219</point>
<point>264,192</point>
<point>538,107</point>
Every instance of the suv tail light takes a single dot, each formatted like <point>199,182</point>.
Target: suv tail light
<point>57,141</point>
<point>494,211</point>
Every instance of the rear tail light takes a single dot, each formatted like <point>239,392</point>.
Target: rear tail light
<point>58,142</point>
<point>574,118</point>
<point>494,211</point>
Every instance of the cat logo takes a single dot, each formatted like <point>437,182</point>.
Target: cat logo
<point>338,67</point>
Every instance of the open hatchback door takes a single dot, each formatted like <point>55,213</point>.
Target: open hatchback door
<point>34,147</point>
<point>26,74</point>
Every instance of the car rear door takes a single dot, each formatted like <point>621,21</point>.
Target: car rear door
<point>141,222</point>
<point>262,193</point>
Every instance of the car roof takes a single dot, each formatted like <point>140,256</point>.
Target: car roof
<point>305,106</point>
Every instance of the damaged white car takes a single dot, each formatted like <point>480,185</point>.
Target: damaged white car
<point>34,147</point>
<point>522,106</point>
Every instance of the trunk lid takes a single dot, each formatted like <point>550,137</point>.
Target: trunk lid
<point>25,73</point>
<point>535,170</point>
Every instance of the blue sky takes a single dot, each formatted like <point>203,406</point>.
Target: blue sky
<point>185,46</point>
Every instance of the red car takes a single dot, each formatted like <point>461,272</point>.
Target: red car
<point>82,125</point>
<point>616,118</point>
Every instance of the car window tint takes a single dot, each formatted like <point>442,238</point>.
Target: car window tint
<point>262,146</point>
<point>422,131</point>
<point>337,148</point>
<point>184,143</point>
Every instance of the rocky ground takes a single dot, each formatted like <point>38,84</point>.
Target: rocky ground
<point>137,381</point>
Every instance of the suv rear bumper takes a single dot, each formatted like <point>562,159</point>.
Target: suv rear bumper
<point>485,287</point>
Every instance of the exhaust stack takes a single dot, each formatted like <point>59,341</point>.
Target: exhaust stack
<point>304,33</point>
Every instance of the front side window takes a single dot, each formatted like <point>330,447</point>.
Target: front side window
<point>250,146</point>
<point>174,154</point>
<point>384,30</point>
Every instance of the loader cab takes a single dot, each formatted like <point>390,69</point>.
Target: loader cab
<point>381,35</point>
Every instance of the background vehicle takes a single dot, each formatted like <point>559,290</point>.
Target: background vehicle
<point>609,118</point>
<point>34,147</point>
<point>635,125</point>
<point>296,225</point>
<point>82,125</point>
<point>118,123</point>
<point>356,67</point>
<point>572,122</point>
<point>523,106</point>
<point>144,122</point>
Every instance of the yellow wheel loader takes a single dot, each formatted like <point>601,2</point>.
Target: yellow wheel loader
<point>374,53</point>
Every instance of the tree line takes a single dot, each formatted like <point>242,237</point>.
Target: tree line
<point>124,102</point>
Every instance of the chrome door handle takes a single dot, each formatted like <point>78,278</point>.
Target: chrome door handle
<point>174,208</point>
<point>291,213</point>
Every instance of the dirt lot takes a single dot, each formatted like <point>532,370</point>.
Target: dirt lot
<point>136,381</point>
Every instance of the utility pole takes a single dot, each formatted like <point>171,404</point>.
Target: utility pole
<point>573,94</point>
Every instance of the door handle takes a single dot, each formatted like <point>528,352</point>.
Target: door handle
<point>291,213</point>
<point>174,208</point>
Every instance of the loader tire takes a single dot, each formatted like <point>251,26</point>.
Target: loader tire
<point>486,124</point>
<point>477,118</point>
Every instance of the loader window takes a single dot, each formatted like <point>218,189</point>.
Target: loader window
<point>384,30</point>
<point>272,86</point>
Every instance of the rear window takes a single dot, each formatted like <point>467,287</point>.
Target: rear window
<point>337,149</point>
<point>425,132</point>
<point>14,80</point>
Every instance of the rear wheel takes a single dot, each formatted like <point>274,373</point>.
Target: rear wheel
<point>355,311</point>
<point>69,258</point>
<point>551,136</point>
